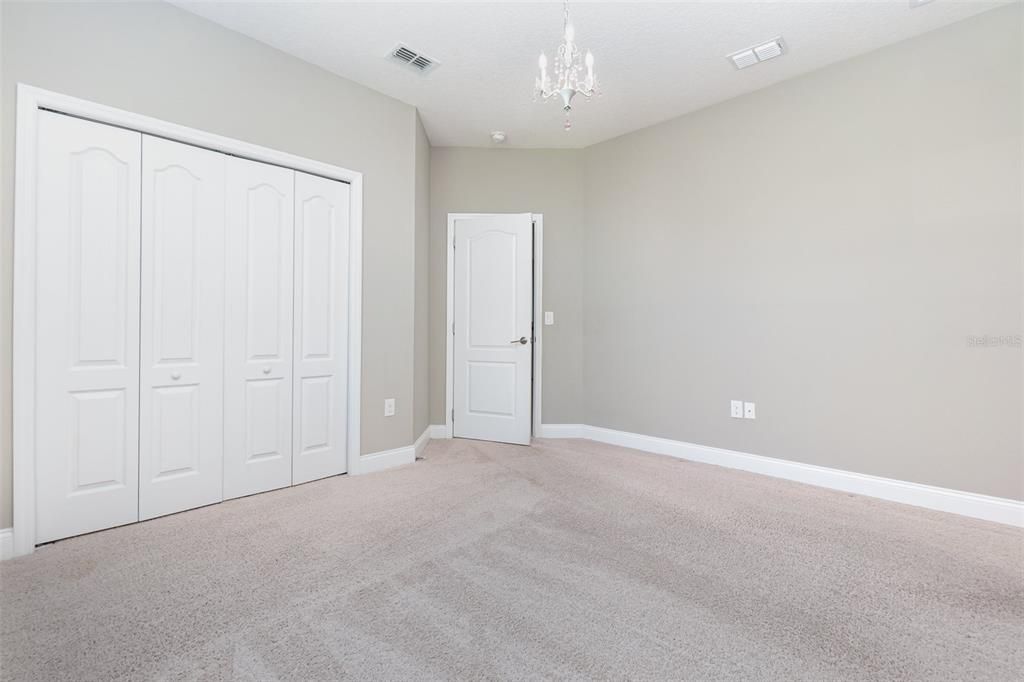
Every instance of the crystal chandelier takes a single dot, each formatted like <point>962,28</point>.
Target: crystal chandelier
<point>569,65</point>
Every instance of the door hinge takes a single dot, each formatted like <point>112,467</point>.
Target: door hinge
<point>453,329</point>
<point>453,415</point>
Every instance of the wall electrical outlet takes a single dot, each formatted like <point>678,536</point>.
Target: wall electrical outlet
<point>736,409</point>
<point>389,407</point>
<point>748,411</point>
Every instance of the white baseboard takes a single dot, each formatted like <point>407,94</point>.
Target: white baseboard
<point>378,461</point>
<point>6,543</point>
<point>386,459</point>
<point>421,442</point>
<point>397,457</point>
<point>998,509</point>
<point>561,431</point>
<point>438,431</point>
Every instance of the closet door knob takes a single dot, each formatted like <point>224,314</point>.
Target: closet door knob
<point>266,370</point>
<point>175,375</point>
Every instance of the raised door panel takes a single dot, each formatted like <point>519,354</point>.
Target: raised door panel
<point>181,426</point>
<point>258,328</point>
<point>491,288</point>
<point>99,450</point>
<point>321,328</point>
<point>493,310</point>
<point>87,317</point>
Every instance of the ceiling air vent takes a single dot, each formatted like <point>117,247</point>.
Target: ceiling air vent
<point>744,59</point>
<point>758,53</point>
<point>412,59</point>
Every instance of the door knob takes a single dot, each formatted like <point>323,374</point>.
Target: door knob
<point>523,340</point>
<point>266,370</point>
<point>175,375</point>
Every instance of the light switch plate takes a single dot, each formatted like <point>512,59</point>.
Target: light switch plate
<point>549,317</point>
<point>748,411</point>
<point>389,407</point>
<point>736,409</point>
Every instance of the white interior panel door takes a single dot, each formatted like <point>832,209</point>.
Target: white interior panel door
<point>181,439</point>
<point>493,327</point>
<point>320,433</point>
<point>258,328</point>
<point>87,334</point>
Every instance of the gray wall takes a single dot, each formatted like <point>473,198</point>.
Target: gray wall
<point>157,60</point>
<point>421,360</point>
<point>466,180</point>
<point>824,247</point>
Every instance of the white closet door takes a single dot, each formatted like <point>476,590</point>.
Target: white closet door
<point>258,328</point>
<point>87,316</point>
<point>181,411</point>
<point>321,328</point>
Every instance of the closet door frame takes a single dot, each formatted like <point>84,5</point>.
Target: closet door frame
<point>30,101</point>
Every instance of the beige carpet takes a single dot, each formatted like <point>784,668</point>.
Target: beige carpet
<point>568,559</point>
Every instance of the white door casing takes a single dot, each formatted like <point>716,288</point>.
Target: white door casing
<point>319,401</point>
<point>258,328</point>
<point>87,326</point>
<point>181,434</point>
<point>493,314</point>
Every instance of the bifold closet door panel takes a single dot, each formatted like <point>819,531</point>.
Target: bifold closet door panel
<point>181,439</point>
<point>258,328</point>
<point>87,326</point>
<point>321,328</point>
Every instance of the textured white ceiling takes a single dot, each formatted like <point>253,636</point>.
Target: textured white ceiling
<point>655,60</point>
